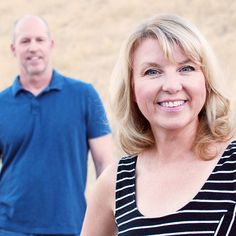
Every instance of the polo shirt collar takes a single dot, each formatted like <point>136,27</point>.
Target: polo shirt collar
<point>56,83</point>
<point>16,87</point>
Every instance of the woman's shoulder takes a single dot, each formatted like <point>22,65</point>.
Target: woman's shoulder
<point>228,152</point>
<point>127,160</point>
<point>110,173</point>
<point>231,145</point>
<point>107,180</point>
<point>230,148</point>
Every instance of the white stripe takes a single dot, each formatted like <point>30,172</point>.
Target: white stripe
<point>215,201</point>
<point>128,157</point>
<point>227,156</point>
<point>126,178</point>
<point>202,211</point>
<point>227,162</point>
<point>166,224</point>
<point>219,225</point>
<point>170,223</point>
<point>126,213</point>
<point>125,171</point>
<point>233,147</point>
<point>127,195</point>
<point>231,223</point>
<point>199,211</point>
<point>221,181</point>
<point>231,153</point>
<point>128,186</point>
<point>126,164</point>
<point>223,172</point>
<point>217,191</point>
<point>185,233</point>
<point>127,204</point>
<point>135,218</point>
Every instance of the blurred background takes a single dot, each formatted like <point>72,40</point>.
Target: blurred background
<point>89,33</point>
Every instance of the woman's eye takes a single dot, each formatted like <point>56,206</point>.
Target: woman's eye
<point>187,69</point>
<point>152,72</point>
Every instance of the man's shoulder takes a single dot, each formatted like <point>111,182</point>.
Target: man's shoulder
<point>7,99</point>
<point>6,92</point>
<point>74,82</point>
<point>77,86</point>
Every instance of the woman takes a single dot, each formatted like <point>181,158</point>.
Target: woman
<point>173,120</point>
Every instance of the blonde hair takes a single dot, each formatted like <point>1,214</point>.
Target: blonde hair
<point>130,126</point>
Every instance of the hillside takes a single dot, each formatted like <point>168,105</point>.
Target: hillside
<point>88,33</point>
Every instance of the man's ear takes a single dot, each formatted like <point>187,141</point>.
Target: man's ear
<point>13,49</point>
<point>52,43</point>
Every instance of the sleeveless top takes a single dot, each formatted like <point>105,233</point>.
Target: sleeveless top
<point>210,213</point>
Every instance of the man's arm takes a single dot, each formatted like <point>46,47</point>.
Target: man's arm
<point>102,151</point>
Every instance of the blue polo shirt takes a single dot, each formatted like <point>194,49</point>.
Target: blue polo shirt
<point>44,149</point>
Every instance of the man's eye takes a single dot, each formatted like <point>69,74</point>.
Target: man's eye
<point>152,72</point>
<point>40,40</point>
<point>187,69</point>
<point>24,41</point>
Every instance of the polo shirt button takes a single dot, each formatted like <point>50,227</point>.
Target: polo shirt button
<point>35,108</point>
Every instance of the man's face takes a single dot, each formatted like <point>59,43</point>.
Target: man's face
<point>32,46</point>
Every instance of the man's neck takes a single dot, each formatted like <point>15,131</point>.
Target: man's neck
<point>36,83</point>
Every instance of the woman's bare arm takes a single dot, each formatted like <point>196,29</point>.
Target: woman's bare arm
<point>99,219</point>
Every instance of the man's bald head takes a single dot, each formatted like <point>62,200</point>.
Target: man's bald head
<point>32,46</point>
<point>27,19</point>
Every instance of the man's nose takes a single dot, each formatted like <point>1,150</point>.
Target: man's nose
<point>33,46</point>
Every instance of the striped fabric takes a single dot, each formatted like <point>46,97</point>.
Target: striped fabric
<point>210,213</point>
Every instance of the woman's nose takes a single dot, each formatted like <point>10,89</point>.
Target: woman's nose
<point>172,83</point>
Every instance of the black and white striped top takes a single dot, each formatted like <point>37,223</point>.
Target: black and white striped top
<point>210,213</point>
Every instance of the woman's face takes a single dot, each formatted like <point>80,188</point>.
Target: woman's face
<point>170,94</point>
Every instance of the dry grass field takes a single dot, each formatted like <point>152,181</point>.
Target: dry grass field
<point>88,34</point>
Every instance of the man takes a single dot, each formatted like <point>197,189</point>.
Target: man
<point>48,122</point>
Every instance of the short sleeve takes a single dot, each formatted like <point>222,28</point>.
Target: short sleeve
<point>97,123</point>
